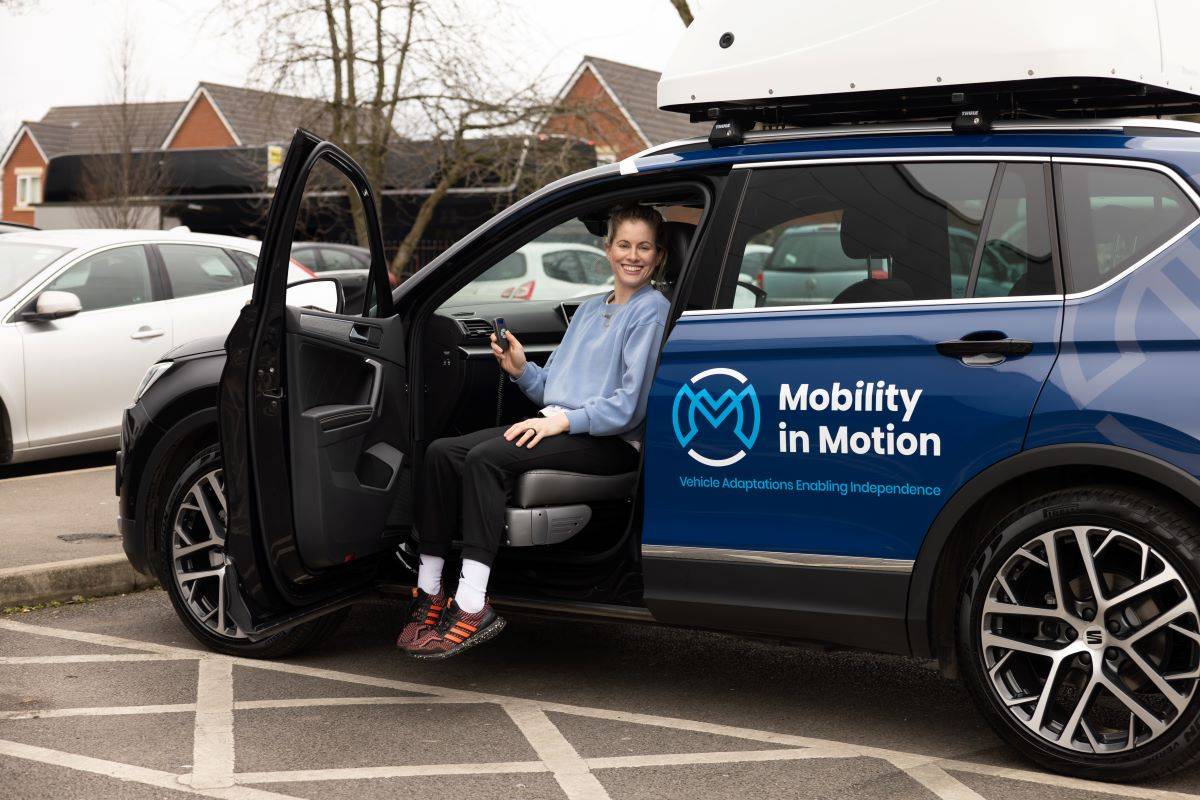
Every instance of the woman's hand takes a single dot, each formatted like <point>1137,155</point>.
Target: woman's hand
<point>511,361</point>
<point>532,431</point>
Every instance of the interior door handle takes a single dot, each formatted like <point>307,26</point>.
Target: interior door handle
<point>146,332</point>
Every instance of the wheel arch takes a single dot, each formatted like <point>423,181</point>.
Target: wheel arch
<point>962,522</point>
<point>192,427</point>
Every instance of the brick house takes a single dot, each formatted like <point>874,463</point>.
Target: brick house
<point>614,106</point>
<point>215,116</point>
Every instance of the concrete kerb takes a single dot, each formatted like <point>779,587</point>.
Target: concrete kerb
<point>62,580</point>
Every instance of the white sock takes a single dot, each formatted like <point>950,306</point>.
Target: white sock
<point>429,576</point>
<point>472,586</point>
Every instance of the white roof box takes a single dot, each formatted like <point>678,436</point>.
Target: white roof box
<point>876,60</point>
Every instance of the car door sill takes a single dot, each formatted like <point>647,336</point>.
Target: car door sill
<point>573,608</point>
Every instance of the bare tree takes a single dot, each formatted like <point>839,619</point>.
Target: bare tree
<point>122,170</point>
<point>409,83</point>
<point>685,13</point>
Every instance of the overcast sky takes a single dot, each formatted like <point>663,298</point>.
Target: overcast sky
<point>57,52</point>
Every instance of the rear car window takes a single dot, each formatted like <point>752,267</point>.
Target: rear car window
<point>341,259</point>
<point>1112,217</point>
<point>855,233</point>
<point>577,266</point>
<point>507,268</point>
<point>198,269</point>
<point>812,248</point>
<point>308,257</point>
<point>1016,259</point>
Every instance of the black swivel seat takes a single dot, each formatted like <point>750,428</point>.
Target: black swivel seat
<point>550,506</point>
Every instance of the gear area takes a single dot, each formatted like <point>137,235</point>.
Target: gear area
<point>112,699</point>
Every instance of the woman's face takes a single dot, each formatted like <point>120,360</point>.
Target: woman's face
<point>633,255</point>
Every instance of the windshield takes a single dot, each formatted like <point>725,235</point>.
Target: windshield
<point>20,261</point>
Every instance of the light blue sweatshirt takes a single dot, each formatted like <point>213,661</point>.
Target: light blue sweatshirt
<point>602,376</point>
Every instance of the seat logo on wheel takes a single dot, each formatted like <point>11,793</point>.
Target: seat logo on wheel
<point>695,401</point>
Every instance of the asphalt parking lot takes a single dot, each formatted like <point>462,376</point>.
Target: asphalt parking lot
<point>113,699</point>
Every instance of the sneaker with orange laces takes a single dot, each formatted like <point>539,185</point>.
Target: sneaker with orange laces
<point>456,631</point>
<point>424,611</point>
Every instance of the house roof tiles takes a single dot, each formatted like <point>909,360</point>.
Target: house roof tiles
<point>636,90</point>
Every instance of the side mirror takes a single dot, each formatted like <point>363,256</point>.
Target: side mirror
<point>748,295</point>
<point>53,305</point>
<point>322,294</point>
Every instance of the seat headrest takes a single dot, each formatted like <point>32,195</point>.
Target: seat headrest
<point>678,236</point>
<point>866,234</point>
<point>887,290</point>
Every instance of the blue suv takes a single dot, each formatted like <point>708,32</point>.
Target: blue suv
<point>990,458</point>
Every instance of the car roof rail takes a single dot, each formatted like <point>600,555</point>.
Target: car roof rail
<point>1128,126</point>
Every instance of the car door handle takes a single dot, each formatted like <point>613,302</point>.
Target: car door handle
<point>146,332</point>
<point>984,348</point>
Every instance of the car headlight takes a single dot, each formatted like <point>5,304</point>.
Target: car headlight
<point>154,373</point>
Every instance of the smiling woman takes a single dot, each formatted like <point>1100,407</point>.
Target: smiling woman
<point>593,389</point>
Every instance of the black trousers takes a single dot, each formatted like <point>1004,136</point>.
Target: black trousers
<point>475,472</point>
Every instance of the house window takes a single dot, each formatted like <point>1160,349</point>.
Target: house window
<point>29,187</point>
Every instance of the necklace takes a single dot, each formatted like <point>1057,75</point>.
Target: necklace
<point>607,311</point>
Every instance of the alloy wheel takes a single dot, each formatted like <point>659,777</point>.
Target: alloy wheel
<point>198,554</point>
<point>1091,639</point>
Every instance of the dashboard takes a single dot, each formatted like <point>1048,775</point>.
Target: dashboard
<point>463,383</point>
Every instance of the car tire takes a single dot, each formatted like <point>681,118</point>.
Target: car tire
<point>190,539</point>
<point>1095,649</point>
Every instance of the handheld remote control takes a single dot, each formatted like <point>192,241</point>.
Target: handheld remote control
<point>501,333</point>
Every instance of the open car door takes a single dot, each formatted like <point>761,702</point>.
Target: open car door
<point>314,423</point>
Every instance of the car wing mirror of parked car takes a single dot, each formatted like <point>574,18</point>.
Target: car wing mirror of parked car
<point>747,295</point>
<point>322,294</point>
<point>53,305</point>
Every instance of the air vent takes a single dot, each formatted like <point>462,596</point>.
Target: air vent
<point>475,328</point>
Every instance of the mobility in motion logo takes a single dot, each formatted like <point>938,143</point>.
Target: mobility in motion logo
<point>741,405</point>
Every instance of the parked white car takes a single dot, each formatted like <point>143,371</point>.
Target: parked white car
<point>84,314</point>
<point>542,271</point>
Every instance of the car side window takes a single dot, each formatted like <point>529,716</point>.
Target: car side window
<point>577,266</point>
<point>199,269</point>
<point>1112,217</point>
<point>116,277</point>
<point>1016,258</point>
<point>308,257</point>
<point>340,259</point>
<point>858,233</point>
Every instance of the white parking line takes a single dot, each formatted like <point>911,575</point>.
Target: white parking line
<point>129,773</point>
<point>110,467</point>
<point>212,753</point>
<point>941,783</point>
<point>405,771</point>
<point>85,659</point>
<point>571,771</point>
<point>214,743</point>
<point>99,711</point>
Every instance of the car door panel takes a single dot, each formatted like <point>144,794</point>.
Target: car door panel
<point>81,371</point>
<point>305,504</point>
<point>839,501</point>
<point>340,391</point>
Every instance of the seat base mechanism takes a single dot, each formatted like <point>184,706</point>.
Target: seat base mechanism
<point>525,527</point>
